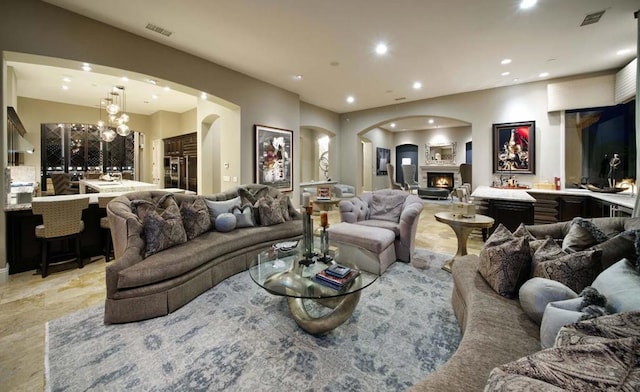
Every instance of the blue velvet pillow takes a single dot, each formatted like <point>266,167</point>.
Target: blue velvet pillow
<point>218,207</point>
<point>225,222</point>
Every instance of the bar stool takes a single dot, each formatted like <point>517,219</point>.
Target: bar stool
<point>62,220</point>
<point>104,224</point>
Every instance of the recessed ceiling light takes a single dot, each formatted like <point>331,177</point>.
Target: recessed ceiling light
<point>392,125</point>
<point>515,79</point>
<point>66,79</point>
<point>86,67</point>
<point>381,49</point>
<point>505,73</point>
<point>151,81</point>
<point>298,77</point>
<point>64,87</point>
<point>431,121</point>
<point>153,96</point>
<point>505,61</point>
<point>544,74</point>
<point>124,79</point>
<point>524,4</point>
<point>623,51</point>
<point>417,85</point>
<point>350,99</point>
<point>203,95</point>
<point>167,88</point>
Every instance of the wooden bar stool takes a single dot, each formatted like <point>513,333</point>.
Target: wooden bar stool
<point>104,224</point>
<point>62,220</point>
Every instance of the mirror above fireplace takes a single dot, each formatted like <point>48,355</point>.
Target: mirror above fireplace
<point>440,154</point>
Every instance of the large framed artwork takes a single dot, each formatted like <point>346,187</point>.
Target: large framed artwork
<point>382,158</point>
<point>514,147</point>
<point>274,157</point>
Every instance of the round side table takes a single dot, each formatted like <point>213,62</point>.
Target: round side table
<point>462,227</point>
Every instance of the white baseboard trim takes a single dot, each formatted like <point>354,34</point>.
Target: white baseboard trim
<point>4,274</point>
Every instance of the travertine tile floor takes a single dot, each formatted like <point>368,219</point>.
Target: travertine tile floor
<point>27,302</point>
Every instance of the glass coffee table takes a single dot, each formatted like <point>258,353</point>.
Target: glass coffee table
<point>316,308</point>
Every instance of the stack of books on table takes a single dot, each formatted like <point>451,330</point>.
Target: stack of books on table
<point>337,276</point>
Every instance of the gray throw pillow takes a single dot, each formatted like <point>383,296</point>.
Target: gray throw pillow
<point>501,265</point>
<point>244,216</point>
<point>219,207</point>
<point>522,231</point>
<point>387,207</point>
<point>617,248</point>
<point>557,315</point>
<point>620,283</point>
<point>536,293</point>
<point>582,235</point>
<point>270,211</point>
<point>195,217</point>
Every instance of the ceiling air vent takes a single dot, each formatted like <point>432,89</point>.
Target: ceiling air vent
<point>592,18</point>
<point>401,98</point>
<point>163,31</point>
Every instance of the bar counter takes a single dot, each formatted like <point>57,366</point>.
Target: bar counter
<point>23,248</point>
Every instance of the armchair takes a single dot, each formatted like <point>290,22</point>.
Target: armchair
<point>409,174</point>
<point>376,209</point>
<point>343,191</point>
<point>392,182</point>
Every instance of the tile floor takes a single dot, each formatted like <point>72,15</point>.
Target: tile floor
<point>27,301</point>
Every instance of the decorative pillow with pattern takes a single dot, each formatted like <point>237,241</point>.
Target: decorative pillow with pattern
<point>283,200</point>
<point>575,270</point>
<point>522,231</point>
<point>499,236</point>
<point>162,224</point>
<point>244,216</point>
<point>387,207</point>
<point>582,235</point>
<point>269,210</point>
<point>195,217</point>
<point>501,265</point>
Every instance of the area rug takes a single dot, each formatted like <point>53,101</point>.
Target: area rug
<point>237,337</point>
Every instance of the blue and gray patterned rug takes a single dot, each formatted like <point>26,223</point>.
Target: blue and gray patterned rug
<point>237,337</point>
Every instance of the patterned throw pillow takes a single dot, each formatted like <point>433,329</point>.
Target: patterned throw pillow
<point>501,265</point>
<point>283,200</point>
<point>388,207</point>
<point>269,210</point>
<point>582,235</point>
<point>574,270</point>
<point>251,196</point>
<point>522,231</point>
<point>244,216</point>
<point>195,217</point>
<point>161,222</point>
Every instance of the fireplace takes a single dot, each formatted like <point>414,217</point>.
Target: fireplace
<point>440,180</point>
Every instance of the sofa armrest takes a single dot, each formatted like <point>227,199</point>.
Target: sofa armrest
<point>131,256</point>
<point>353,210</point>
<point>408,226</point>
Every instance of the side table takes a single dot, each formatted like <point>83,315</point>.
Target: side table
<point>462,227</point>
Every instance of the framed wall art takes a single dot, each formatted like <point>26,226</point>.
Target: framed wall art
<point>383,156</point>
<point>274,157</point>
<point>514,147</point>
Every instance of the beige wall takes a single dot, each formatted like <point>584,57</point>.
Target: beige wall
<point>481,109</point>
<point>379,138</point>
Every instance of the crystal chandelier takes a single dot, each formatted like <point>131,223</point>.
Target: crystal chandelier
<point>117,118</point>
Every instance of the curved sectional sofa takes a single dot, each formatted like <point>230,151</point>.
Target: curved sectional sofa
<point>139,288</point>
<point>495,329</point>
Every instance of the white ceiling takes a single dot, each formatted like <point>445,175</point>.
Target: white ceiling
<point>451,46</point>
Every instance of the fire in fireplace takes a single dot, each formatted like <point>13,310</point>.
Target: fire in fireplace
<point>440,180</point>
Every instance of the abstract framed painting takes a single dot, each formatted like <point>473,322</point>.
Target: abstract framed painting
<point>514,147</point>
<point>274,157</point>
<point>383,156</point>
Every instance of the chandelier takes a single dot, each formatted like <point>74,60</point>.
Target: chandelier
<point>116,117</point>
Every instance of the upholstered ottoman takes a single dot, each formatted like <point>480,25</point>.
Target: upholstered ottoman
<point>375,239</point>
<point>440,193</point>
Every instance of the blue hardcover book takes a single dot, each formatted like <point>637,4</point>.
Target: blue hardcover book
<point>338,270</point>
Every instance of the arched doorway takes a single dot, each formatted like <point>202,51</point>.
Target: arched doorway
<point>406,154</point>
